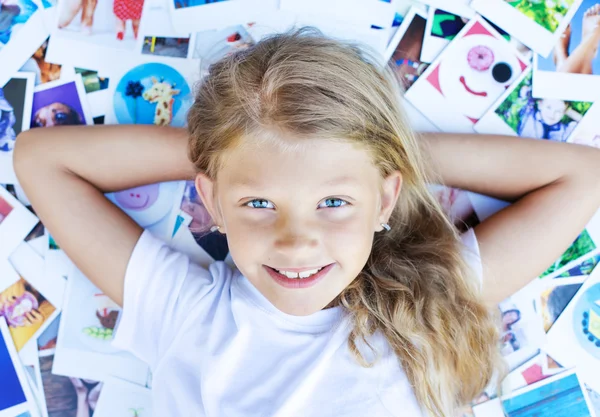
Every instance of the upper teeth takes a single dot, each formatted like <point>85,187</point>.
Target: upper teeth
<point>304,274</point>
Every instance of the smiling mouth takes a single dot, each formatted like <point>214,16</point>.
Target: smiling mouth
<point>475,93</point>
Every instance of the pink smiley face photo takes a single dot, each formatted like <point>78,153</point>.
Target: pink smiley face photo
<point>467,78</point>
<point>152,206</point>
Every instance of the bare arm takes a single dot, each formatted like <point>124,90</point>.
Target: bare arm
<point>554,187</point>
<point>66,170</point>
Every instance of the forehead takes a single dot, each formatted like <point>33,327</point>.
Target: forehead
<point>284,162</point>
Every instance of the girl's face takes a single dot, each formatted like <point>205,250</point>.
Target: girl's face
<point>316,205</point>
<point>552,111</point>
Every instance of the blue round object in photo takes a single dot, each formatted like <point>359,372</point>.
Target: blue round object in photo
<point>586,320</point>
<point>152,93</point>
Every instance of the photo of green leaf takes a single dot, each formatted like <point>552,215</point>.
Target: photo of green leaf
<point>546,13</point>
<point>582,245</point>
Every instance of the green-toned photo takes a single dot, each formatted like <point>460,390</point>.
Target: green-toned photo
<point>544,118</point>
<point>546,13</point>
<point>582,245</point>
<point>91,81</point>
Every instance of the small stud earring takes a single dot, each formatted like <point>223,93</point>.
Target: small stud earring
<point>386,226</point>
<point>215,228</point>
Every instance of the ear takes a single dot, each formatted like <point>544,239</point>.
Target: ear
<point>205,188</point>
<point>175,92</point>
<point>392,185</point>
<point>154,80</point>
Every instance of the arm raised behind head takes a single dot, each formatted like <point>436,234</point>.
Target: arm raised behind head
<point>554,187</point>
<point>65,172</point>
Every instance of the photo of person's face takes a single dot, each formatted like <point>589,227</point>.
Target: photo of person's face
<point>551,110</point>
<point>509,318</point>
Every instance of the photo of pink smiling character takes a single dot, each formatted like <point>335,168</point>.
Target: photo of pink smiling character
<point>467,78</point>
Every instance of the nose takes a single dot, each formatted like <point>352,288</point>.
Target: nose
<point>295,237</point>
<point>480,58</point>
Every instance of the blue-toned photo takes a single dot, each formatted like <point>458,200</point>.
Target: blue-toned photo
<point>11,393</point>
<point>152,94</point>
<point>575,51</point>
<point>180,4</point>
<point>562,397</point>
<point>13,15</point>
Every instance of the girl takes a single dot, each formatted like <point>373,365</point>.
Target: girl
<point>302,156</point>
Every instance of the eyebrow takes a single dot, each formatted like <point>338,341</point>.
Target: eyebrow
<point>248,182</point>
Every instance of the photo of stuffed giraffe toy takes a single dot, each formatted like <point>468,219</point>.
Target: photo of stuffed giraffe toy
<point>161,93</point>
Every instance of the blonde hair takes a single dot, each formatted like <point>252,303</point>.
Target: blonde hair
<point>415,287</point>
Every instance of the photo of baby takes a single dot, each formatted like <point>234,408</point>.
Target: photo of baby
<point>5,209</point>
<point>112,23</point>
<point>25,310</point>
<point>544,118</point>
<point>58,106</point>
<point>576,51</point>
<point>13,15</point>
<point>44,71</point>
<point>546,13</point>
<point>179,4</point>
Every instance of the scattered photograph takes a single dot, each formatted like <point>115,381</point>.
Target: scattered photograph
<point>457,205</point>
<point>442,27</point>
<point>522,332</point>
<point>554,299</point>
<point>212,45</point>
<point>540,118</point>
<point>84,343</point>
<point>120,398</point>
<point>67,396</point>
<point>163,46</point>
<point>559,395</point>
<point>588,131</point>
<point>405,48</point>
<point>17,222</point>
<point>518,113</point>
<point>179,4</point>
<point>574,338</point>
<point>60,103</point>
<point>538,24</point>
<point>16,99</point>
<point>43,70</point>
<point>25,310</point>
<point>465,80</point>
<point>16,397</point>
<point>572,70</point>
<point>152,93</point>
<point>92,82</point>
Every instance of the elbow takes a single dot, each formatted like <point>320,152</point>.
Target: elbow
<point>23,153</point>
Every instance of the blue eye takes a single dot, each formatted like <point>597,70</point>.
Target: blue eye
<point>337,202</point>
<point>256,199</point>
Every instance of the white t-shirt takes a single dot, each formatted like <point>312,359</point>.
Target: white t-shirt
<point>217,347</point>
